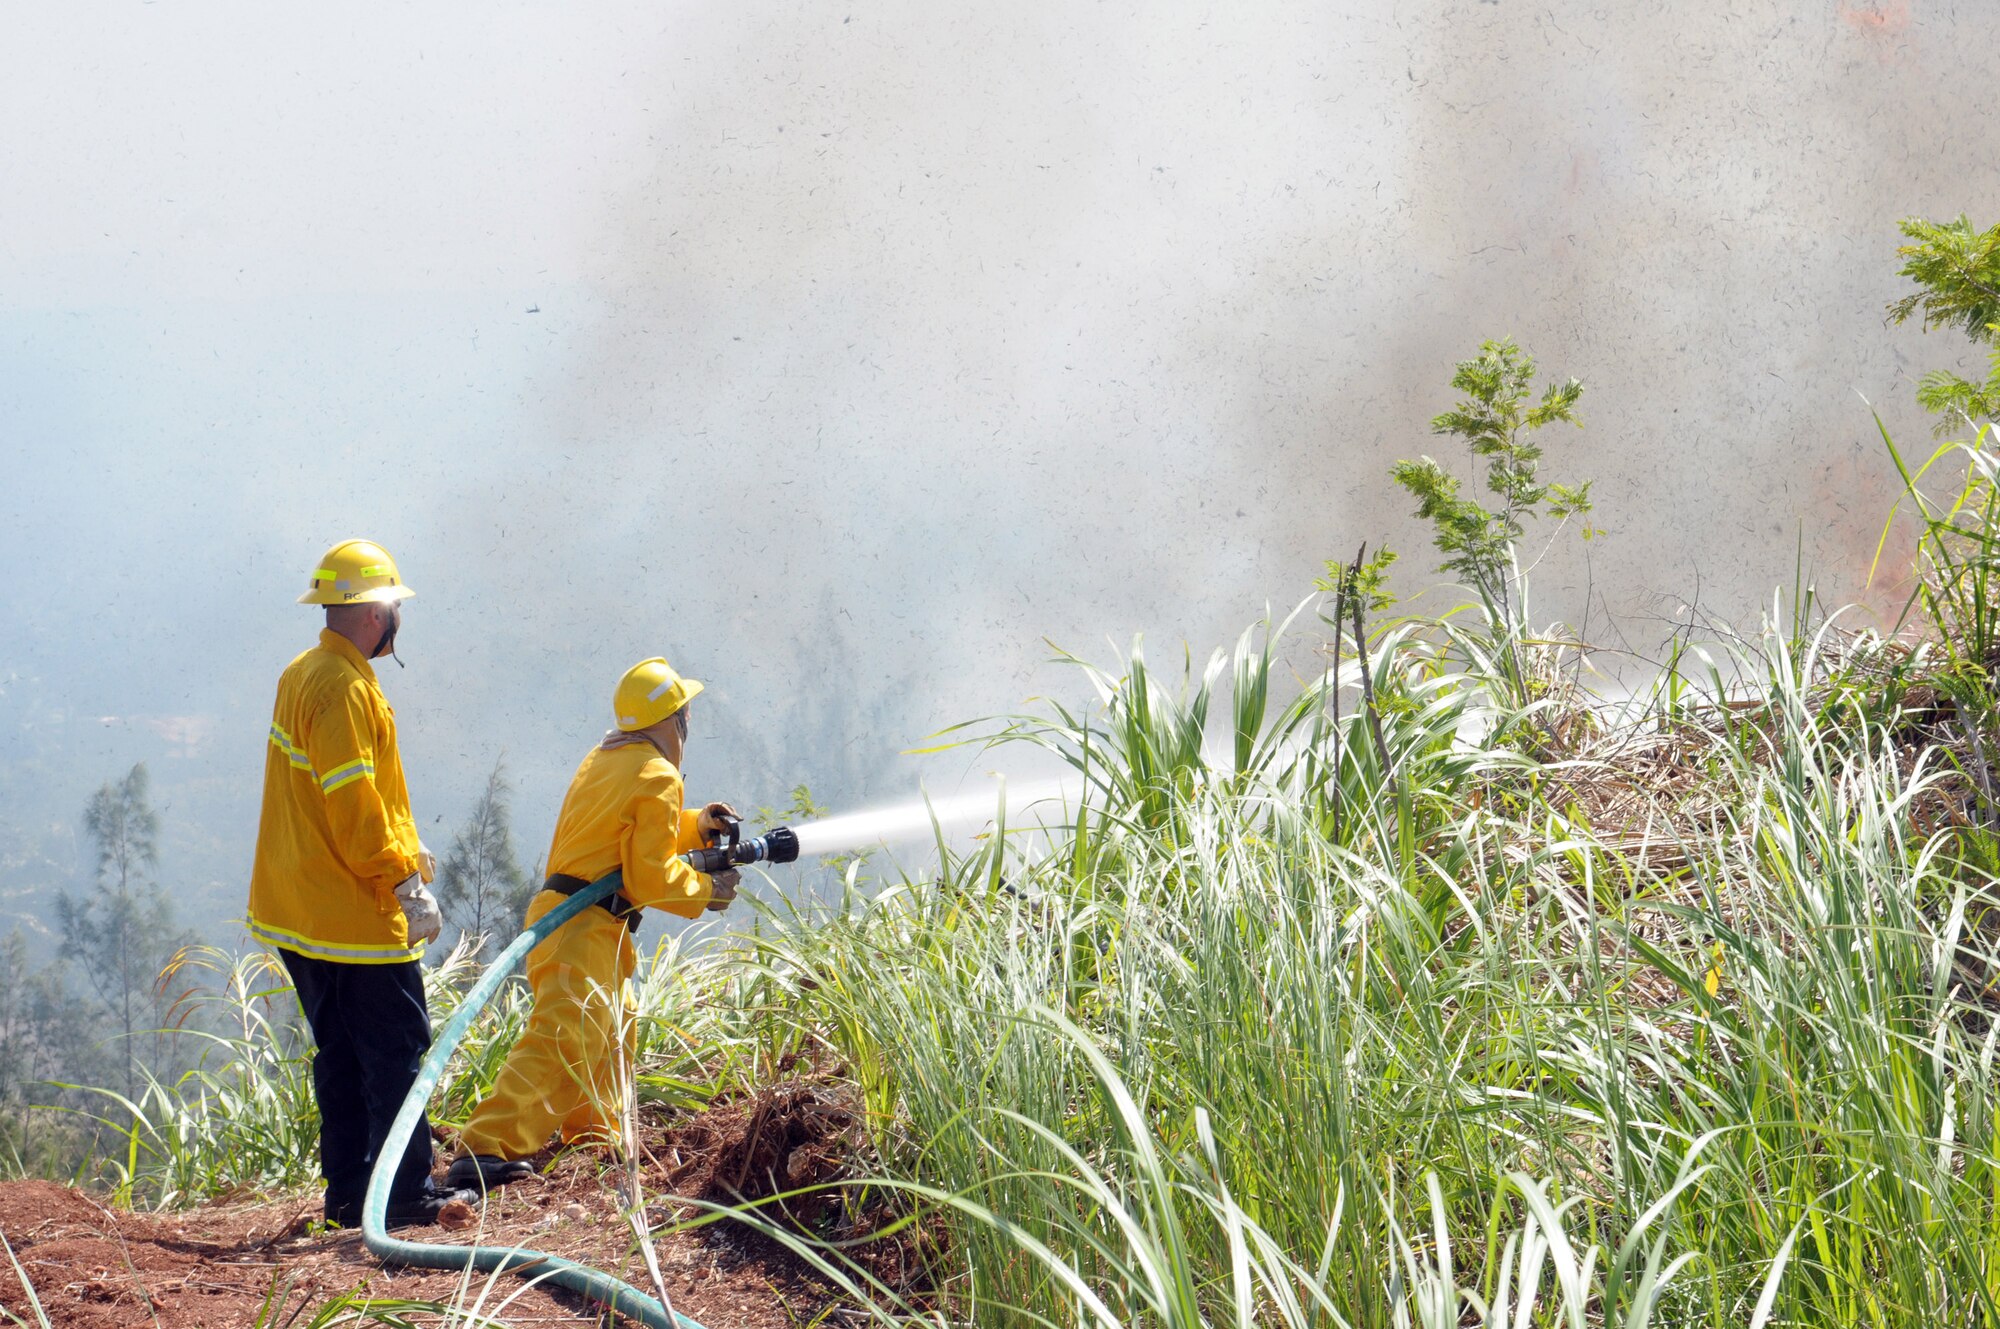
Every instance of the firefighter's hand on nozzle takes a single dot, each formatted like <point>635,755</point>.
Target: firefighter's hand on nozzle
<point>722,889</point>
<point>427,864</point>
<point>709,821</point>
<point>420,909</point>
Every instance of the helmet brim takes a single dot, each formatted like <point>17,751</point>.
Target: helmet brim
<point>374,595</point>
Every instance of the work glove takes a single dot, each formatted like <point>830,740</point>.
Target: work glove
<point>427,864</point>
<point>722,889</point>
<point>420,909</point>
<point>709,820</point>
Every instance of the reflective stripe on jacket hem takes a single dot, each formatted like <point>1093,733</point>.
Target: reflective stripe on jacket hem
<point>346,952</point>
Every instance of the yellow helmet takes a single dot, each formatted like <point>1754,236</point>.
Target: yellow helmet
<point>649,693</point>
<point>355,572</point>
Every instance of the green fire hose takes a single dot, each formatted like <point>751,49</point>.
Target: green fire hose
<point>622,1297</point>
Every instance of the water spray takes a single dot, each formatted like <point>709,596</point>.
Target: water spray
<point>912,819</point>
<point>922,818</point>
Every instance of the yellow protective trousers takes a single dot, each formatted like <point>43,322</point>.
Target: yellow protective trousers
<point>566,1074</point>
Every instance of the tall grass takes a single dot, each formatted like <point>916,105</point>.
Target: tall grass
<point>243,1119</point>
<point>1222,1054</point>
<point>1362,1000</point>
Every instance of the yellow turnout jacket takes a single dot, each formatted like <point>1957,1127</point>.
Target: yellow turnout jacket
<point>336,834</point>
<point>623,810</point>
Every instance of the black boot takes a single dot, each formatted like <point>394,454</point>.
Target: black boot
<point>417,1210</point>
<point>486,1172</point>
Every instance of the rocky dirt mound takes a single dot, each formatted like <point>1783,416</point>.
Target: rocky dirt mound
<point>786,1149</point>
<point>94,1267</point>
<point>789,1137</point>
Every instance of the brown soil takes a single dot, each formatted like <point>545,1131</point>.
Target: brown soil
<point>786,1150</point>
<point>793,1136</point>
<point>96,1267</point>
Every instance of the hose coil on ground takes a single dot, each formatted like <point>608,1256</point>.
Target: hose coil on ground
<point>620,1296</point>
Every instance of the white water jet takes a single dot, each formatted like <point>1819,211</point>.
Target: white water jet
<point>925,818</point>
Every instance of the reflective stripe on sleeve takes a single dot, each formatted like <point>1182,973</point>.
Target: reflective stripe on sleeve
<point>345,952</point>
<point>347,773</point>
<point>293,752</point>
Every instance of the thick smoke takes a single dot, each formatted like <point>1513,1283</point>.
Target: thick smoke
<point>845,356</point>
<point>928,333</point>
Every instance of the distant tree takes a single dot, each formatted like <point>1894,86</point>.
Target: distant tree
<point>1497,419</point>
<point>121,933</point>
<point>45,1036</point>
<point>23,1046</point>
<point>1957,272</point>
<point>17,1031</point>
<point>481,886</point>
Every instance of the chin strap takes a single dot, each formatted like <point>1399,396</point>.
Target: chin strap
<point>387,646</point>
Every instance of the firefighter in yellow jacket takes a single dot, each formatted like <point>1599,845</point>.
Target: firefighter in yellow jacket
<point>338,884</point>
<point>566,1073</point>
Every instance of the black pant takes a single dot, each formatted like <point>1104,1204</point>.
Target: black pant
<point>372,1029</point>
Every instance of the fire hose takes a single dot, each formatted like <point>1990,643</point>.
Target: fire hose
<point>779,846</point>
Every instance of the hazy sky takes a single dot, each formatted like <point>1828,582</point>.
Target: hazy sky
<point>844,354</point>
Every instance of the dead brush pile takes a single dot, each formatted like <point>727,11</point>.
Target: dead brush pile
<point>1674,816</point>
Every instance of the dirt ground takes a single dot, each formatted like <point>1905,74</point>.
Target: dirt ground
<point>241,1264</point>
